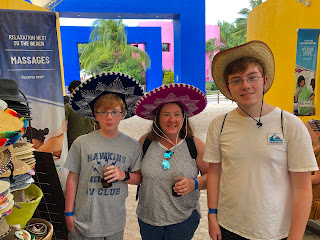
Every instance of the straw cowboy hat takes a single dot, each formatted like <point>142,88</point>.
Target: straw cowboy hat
<point>254,49</point>
<point>192,99</point>
<point>83,98</point>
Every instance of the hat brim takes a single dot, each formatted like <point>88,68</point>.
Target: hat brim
<point>5,159</point>
<point>192,99</point>
<point>11,235</point>
<point>19,168</point>
<point>7,97</point>
<point>83,98</point>
<point>4,185</point>
<point>9,206</point>
<point>253,49</point>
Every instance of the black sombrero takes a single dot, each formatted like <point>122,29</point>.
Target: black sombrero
<point>85,95</point>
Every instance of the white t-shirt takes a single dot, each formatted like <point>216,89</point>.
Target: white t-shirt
<point>255,196</point>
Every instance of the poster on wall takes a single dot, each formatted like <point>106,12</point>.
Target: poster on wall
<point>29,56</point>
<point>305,72</point>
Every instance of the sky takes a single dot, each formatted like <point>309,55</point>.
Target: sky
<point>226,10</point>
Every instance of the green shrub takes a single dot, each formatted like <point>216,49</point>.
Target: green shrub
<point>168,77</point>
<point>211,86</point>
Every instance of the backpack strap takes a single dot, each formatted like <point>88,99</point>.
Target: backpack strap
<point>225,116</point>
<point>192,148</point>
<point>145,145</point>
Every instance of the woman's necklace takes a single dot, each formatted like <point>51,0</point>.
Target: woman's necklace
<point>167,154</point>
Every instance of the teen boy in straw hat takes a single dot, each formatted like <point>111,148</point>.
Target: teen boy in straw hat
<point>260,157</point>
<point>94,209</point>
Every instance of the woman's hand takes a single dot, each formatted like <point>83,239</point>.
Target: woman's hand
<point>113,173</point>
<point>184,186</point>
<point>298,90</point>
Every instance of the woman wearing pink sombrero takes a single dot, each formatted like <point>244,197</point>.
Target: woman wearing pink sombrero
<point>169,194</point>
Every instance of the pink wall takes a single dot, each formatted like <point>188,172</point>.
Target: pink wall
<point>212,31</point>
<point>167,37</point>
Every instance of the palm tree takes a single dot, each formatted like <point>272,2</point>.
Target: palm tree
<point>241,23</point>
<point>211,47</point>
<point>108,39</point>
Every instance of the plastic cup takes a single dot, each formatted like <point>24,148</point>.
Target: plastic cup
<point>104,182</point>
<point>176,177</point>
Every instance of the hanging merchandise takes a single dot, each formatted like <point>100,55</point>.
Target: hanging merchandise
<point>9,92</point>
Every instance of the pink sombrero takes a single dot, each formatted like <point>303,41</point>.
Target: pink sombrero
<point>192,99</point>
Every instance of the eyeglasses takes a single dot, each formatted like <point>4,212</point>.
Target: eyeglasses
<point>112,113</point>
<point>165,163</point>
<point>239,81</point>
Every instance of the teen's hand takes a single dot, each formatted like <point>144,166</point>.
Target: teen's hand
<point>214,229</point>
<point>113,173</point>
<point>70,223</point>
<point>184,186</point>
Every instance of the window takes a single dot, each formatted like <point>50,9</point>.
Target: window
<point>165,47</point>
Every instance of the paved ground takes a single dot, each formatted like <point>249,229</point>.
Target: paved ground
<point>135,127</point>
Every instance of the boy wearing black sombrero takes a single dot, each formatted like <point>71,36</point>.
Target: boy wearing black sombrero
<point>103,162</point>
<point>260,157</point>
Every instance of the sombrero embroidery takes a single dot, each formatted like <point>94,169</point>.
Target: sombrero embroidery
<point>192,99</point>
<point>84,96</point>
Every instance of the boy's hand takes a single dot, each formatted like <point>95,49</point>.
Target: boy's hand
<point>70,223</point>
<point>214,229</point>
<point>113,173</point>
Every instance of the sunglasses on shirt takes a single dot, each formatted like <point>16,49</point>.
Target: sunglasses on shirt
<point>165,163</point>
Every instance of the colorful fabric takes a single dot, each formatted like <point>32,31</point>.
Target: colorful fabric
<point>10,137</point>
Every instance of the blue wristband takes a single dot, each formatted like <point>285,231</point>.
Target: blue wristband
<point>213,210</point>
<point>68,214</point>
<point>196,184</point>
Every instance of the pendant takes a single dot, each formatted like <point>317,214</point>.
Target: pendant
<point>165,164</point>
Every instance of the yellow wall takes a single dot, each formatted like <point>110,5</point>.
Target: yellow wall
<point>23,5</point>
<point>19,4</point>
<point>276,22</point>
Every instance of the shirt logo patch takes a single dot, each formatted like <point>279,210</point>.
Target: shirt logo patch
<point>275,139</point>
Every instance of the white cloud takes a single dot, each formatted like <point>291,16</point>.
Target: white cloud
<point>226,10</point>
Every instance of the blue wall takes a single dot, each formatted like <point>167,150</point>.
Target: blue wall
<point>189,30</point>
<point>150,36</point>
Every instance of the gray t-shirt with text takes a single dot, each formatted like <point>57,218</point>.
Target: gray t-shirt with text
<point>98,211</point>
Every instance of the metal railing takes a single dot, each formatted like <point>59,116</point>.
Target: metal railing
<point>217,96</point>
